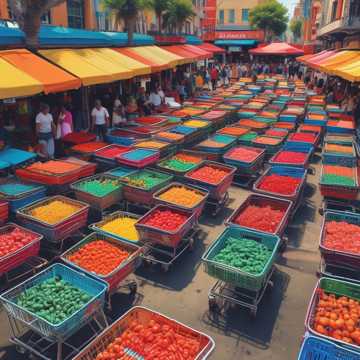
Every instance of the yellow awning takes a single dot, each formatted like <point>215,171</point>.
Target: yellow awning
<point>349,72</point>
<point>158,56</point>
<point>342,58</point>
<point>16,83</point>
<point>88,65</point>
<point>137,68</point>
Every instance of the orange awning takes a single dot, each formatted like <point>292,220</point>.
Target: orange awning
<point>181,51</point>
<point>155,67</point>
<point>202,54</point>
<point>211,48</point>
<point>53,78</point>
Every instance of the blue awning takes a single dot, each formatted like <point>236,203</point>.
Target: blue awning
<point>193,40</point>
<point>121,38</point>
<point>235,42</point>
<point>11,36</point>
<point>57,36</point>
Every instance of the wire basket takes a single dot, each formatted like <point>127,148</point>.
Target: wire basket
<point>60,230</point>
<point>97,227</point>
<point>98,202</point>
<point>233,275</point>
<point>93,287</point>
<point>262,200</point>
<point>196,208</point>
<point>115,277</point>
<point>339,288</point>
<point>144,316</point>
<point>167,238</point>
<point>216,191</point>
<point>18,257</point>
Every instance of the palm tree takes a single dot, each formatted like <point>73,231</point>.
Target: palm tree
<point>127,11</point>
<point>27,14</point>
<point>160,7</point>
<point>178,13</point>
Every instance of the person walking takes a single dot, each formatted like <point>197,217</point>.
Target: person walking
<point>214,77</point>
<point>100,120</point>
<point>45,129</point>
<point>118,117</point>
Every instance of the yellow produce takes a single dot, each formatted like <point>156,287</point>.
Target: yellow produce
<point>54,212</point>
<point>181,196</point>
<point>196,123</point>
<point>123,227</point>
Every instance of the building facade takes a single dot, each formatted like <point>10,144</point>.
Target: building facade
<point>339,24</point>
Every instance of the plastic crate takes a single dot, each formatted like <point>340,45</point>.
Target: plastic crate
<point>93,287</point>
<point>333,256</point>
<point>339,288</point>
<point>16,157</point>
<point>196,209</point>
<point>151,121</point>
<point>315,348</point>
<point>81,137</point>
<point>26,199</point>
<point>101,156</point>
<point>262,200</point>
<point>87,168</point>
<point>113,279</point>
<point>144,316</point>
<point>97,227</point>
<point>121,171</point>
<point>4,211</point>
<point>86,150</point>
<point>98,202</point>
<point>155,235</point>
<point>123,137</point>
<point>233,275</point>
<point>216,191</point>
<point>139,158</point>
<point>60,230</point>
<point>283,171</point>
<point>305,164</point>
<point>18,257</point>
<point>246,167</point>
<point>338,158</point>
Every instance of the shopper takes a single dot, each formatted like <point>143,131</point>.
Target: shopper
<point>214,77</point>
<point>65,120</point>
<point>118,117</point>
<point>100,120</point>
<point>142,104</point>
<point>45,129</point>
<point>155,98</point>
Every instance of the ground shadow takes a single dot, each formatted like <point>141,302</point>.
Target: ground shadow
<point>236,322</point>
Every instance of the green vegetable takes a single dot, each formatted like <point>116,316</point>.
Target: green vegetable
<point>54,300</point>
<point>244,254</point>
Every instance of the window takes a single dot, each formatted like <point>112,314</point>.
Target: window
<point>231,16</point>
<point>245,15</point>
<point>75,9</point>
<point>221,17</point>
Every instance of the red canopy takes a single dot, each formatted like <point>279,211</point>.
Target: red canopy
<point>317,58</point>
<point>278,48</point>
<point>211,48</point>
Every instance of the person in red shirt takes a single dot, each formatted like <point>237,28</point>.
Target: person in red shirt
<point>214,74</point>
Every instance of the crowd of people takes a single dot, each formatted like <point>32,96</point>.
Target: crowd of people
<point>52,127</point>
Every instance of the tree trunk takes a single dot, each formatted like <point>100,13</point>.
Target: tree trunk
<point>159,18</point>
<point>31,27</point>
<point>130,25</point>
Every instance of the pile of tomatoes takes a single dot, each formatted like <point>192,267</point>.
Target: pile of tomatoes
<point>153,341</point>
<point>279,184</point>
<point>14,240</point>
<point>342,236</point>
<point>290,157</point>
<point>209,174</point>
<point>304,137</point>
<point>338,317</point>
<point>99,256</point>
<point>166,219</point>
<point>243,154</point>
<point>263,218</point>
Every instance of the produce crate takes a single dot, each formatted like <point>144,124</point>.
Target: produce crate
<point>150,234</point>
<point>315,348</point>
<point>4,211</point>
<point>225,143</point>
<point>338,191</point>
<point>263,200</point>
<point>308,150</point>
<point>60,230</point>
<point>124,137</point>
<point>155,121</point>
<point>87,168</point>
<point>18,257</point>
<point>98,202</point>
<point>121,171</point>
<point>315,142</point>
<point>233,275</point>
<point>139,158</point>
<point>93,287</point>
<point>140,195</point>
<point>339,139</point>
<point>246,167</point>
<point>332,256</point>
<point>119,274</point>
<point>216,191</point>
<point>162,165</point>
<point>102,157</point>
<point>80,137</point>
<point>86,150</point>
<point>26,194</point>
<point>144,316</point>
<point>339,288</point>
<point>163,147</point>
<point>339,158</point>
<point>97,227</point>
<point>264,142</point>
<point>196,209</point>
<point>283,171</point>
<point>16,157</point>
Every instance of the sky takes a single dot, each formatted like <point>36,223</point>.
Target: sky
<point>290,4</point>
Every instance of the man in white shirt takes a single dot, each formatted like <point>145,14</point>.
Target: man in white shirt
<point>45,129</point>
<point>100,120</point>
<point>155,98</point>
